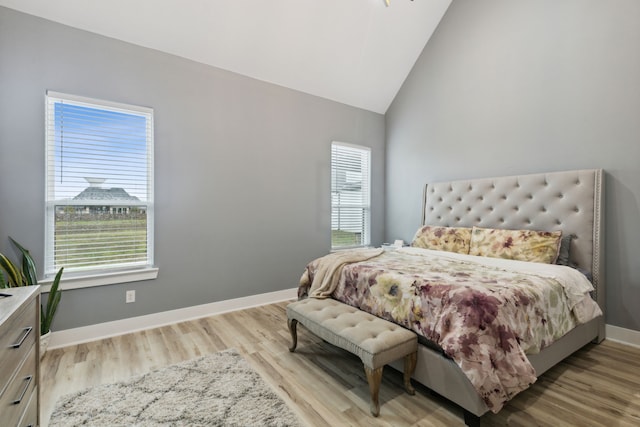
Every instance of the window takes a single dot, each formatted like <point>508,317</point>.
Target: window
<point>350,199</point>
<point>99,186</point>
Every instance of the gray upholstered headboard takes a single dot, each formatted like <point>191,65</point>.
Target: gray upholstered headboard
<point>570,201</point>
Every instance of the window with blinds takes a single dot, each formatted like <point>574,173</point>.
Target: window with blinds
<point>350,195</point>
<point>99,185</point>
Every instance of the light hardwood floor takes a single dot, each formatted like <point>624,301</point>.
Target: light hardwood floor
<point>326,386</point>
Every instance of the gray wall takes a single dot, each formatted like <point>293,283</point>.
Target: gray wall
<point>241,166</point>
<point>509,87</point>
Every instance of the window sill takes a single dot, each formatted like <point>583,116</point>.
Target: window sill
<point>89,281</point>
<point>348,248</point>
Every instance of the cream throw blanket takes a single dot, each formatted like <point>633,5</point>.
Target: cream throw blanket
<point>328,268</point>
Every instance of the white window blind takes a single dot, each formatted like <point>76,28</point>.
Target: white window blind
<point>350,195</point>
<point>99,185</point>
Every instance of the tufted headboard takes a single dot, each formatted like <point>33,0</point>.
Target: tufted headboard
<point>570,201</point>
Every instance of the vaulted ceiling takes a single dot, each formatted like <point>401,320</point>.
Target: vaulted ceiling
<point>357,52</point>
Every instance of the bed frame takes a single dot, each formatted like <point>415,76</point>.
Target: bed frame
<point>570,201</point>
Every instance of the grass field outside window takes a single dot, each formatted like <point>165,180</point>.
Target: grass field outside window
<point>91,242</point>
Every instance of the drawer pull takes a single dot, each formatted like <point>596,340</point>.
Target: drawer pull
<point>26,387</point>
<point>25,334</point>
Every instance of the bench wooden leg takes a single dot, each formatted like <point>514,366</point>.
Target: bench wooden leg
<point>410,361</point>
<point>374,377</point>
<point>293,327</point>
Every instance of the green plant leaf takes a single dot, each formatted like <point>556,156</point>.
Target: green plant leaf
<point>14,276</point>
<point>28,264</point>
<point>47,314</point>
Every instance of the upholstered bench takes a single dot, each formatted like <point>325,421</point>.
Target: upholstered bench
<point>374,340</point>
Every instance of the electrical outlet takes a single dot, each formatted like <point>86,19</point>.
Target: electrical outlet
<point>130,297</point>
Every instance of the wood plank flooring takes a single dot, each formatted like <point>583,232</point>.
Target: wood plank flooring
<point>326,386</point>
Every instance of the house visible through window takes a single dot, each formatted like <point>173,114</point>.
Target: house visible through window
<point>99,189</point>
<point>350,199</point>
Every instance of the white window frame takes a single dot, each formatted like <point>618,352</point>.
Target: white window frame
<point>95,276</point>
<point>365,203</point>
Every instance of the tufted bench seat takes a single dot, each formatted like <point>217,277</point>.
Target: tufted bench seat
<point>374,340</point>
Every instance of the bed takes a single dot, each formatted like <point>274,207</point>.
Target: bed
<point>564,208</point>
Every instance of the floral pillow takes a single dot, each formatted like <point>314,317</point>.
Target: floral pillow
<point>450,239</point>
<point>521,245</point>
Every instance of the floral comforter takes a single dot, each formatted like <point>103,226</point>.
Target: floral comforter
<point>485,313</point>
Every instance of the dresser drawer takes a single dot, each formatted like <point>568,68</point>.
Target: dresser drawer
<point>30,417</point>
<point>17,336</point>
<point>15,398</point>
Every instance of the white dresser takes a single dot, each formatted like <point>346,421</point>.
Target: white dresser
<point>20,356</point>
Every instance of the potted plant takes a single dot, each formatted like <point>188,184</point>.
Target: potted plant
<point>13,276</point>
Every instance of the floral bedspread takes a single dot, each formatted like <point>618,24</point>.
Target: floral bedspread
<point>484,313</point>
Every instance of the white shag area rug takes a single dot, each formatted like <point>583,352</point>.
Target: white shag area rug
<point>219,389</point>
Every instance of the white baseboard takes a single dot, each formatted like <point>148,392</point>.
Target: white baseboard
<point>120,327</point>
<point>622,335</point>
